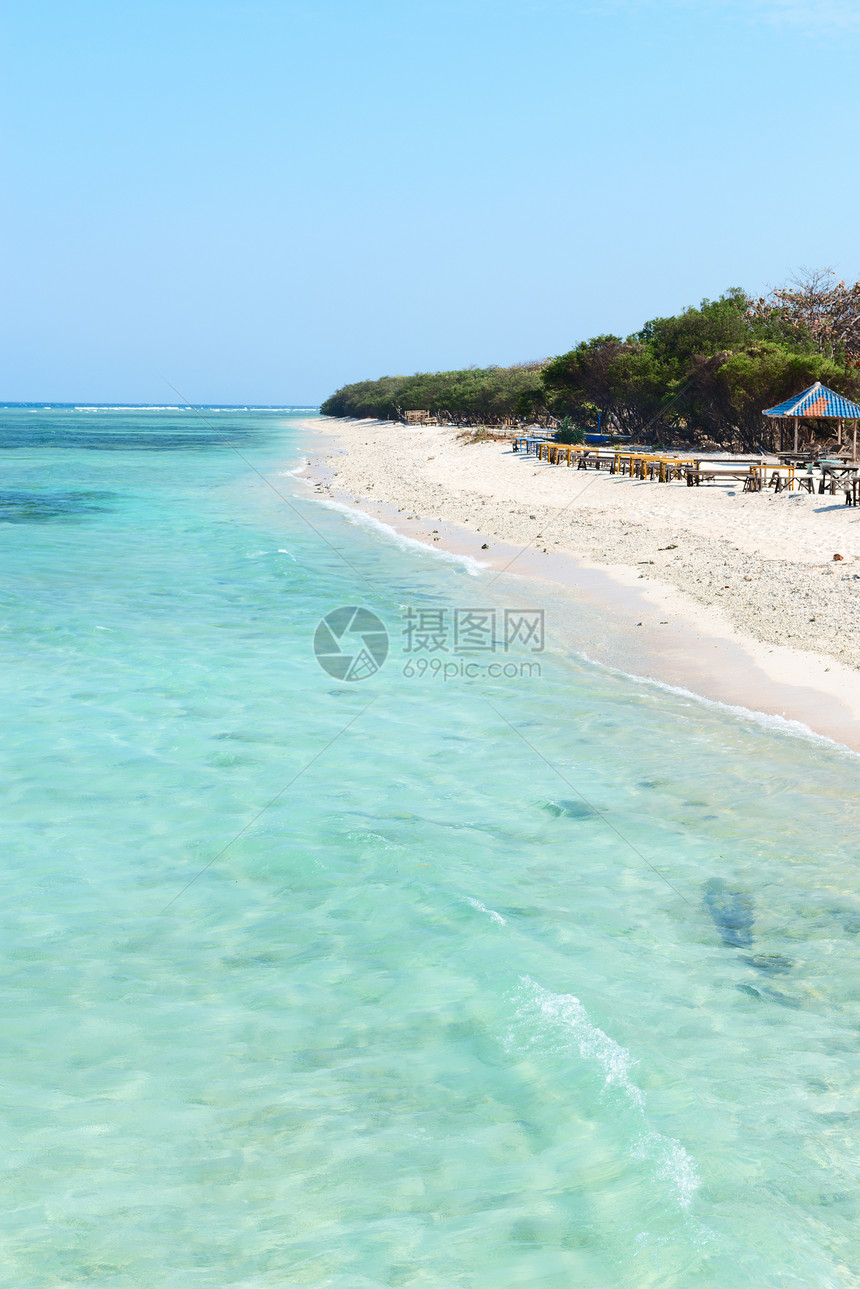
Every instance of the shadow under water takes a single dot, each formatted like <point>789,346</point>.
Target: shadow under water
<point>37,507</point>
<point>732,912</point>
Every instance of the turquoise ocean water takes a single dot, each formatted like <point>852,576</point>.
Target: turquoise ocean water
<point>545,980</point>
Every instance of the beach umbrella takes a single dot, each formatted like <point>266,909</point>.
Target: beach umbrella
<point>818,401</point>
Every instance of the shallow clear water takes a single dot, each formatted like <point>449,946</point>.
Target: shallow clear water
<point>608,1037</point>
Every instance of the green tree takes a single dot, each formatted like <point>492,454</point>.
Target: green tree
<point>714,326</point>
<point>620,378</point>
<point>732,390</point>
<point>474,395</point>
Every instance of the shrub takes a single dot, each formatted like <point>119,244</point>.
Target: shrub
<point>567,432</point>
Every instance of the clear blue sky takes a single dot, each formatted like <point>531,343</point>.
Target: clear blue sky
<point>265,200</point>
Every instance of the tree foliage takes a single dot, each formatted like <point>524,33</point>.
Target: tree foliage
<point>725,401</point>
<point>477,395</point>
<point>612,377</point>
<point>702,375</point>
<point>815,308</point>
<point>706,374</point>
<point>568,432</point>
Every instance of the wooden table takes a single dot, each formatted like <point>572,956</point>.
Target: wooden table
<point>842,474</point>
<point>777,482</point>
<point>528,443</point>
<point>697,476</point>
<point>575,454</point>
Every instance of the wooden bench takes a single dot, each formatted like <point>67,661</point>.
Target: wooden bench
<point>695,477</point>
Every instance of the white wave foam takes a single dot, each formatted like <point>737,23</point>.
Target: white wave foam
<point>472,566</point>
<point>781,724</point>
<point>296,470</point>
<point>132,407</point>
<point>177,407</point>
<point>482,908</point>
<point>675,1165</point>
<point>568,1019</point>
<point>563,1021</point>
<point>280,551</point>
<point>253,407</point>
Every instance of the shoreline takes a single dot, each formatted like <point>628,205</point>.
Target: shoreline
<point>650,627</point>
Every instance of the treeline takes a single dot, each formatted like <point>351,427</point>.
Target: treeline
<point>700,377</point>
<point>476,396</point>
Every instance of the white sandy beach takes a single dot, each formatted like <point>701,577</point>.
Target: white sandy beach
<point>754,572</point>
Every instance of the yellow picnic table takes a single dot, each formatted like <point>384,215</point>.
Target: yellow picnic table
<point>639,465</point>
<point>781,476</point>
